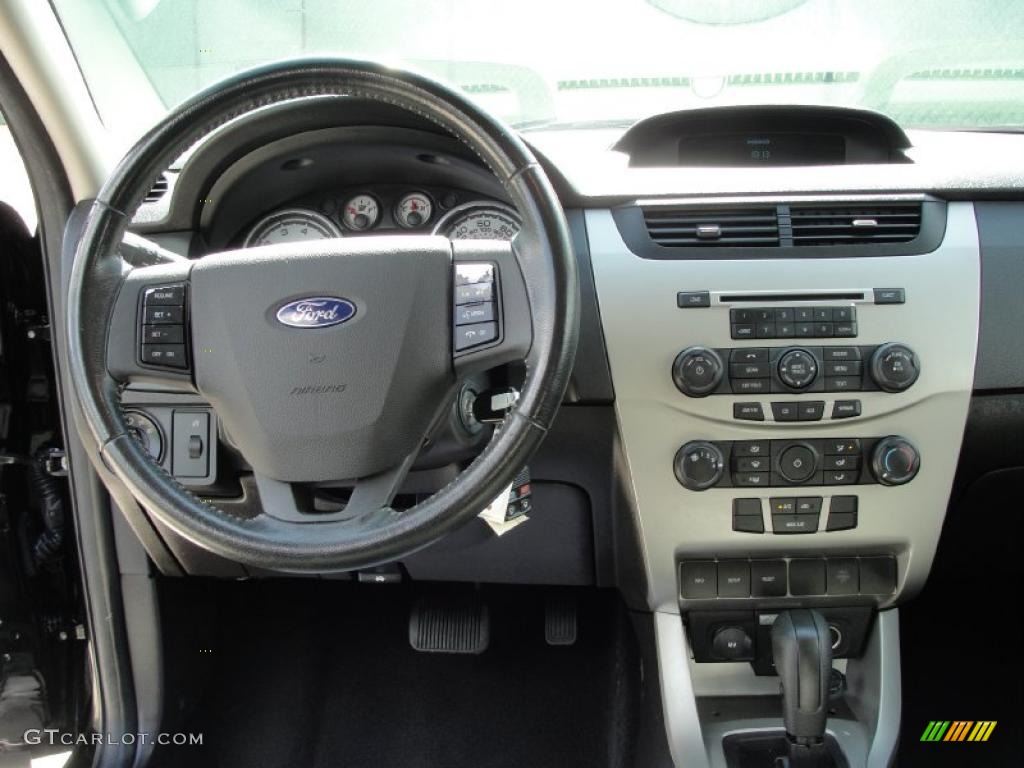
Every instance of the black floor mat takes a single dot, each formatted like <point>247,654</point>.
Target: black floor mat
<point>962,638</point>
<point>321,674</point>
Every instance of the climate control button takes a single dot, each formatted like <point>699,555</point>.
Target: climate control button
<point>895,461</point>
<point>699,465</point>
<point>697,371</point>
<point>798,368</point>
<point>798,462</point>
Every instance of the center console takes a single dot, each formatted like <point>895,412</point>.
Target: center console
<point>792,425</point>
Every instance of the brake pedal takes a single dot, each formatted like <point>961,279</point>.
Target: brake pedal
<point>560,621</point>
<point>449,624</point>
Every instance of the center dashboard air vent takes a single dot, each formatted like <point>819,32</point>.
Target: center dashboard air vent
<point>713,227</point>
<point>782,229</point>
<point>855,224</point>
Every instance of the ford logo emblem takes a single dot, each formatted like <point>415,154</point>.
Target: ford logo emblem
<point>316,312</point>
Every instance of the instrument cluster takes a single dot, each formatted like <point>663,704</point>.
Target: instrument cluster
<point>385,208</point>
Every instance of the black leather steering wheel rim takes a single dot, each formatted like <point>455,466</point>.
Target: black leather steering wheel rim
<point>545,258</point>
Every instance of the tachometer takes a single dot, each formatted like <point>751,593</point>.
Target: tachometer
<point>479,221</point>
<point>291,225</point>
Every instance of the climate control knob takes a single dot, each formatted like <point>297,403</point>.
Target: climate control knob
<point>894,367</point>
<point>797,368</point>
<point>699,465</point>
<point>895,461</point>
<point>697,371</point>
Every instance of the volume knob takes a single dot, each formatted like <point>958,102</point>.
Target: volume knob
<point>697,371</point>
<point>894,367</point>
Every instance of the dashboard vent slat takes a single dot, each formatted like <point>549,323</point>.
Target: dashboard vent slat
<point>158,190</point>
<point>712,227</point>
<point>855,224</point>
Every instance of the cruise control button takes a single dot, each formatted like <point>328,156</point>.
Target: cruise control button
<point>748,411</point>
<point>163,334</point>
<point>473,293</point>
<point>812,410</point>
<point>768,578</point>
<point>165,295</point>
<point>163,315</point>
<point>467,336</point>
<point>750,448</point>
<point>169,355</point>
<point>699,579</point>
<point>845,409</point>
<point>468,314</point>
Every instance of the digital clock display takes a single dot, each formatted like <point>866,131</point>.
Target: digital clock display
<point>742,150</point>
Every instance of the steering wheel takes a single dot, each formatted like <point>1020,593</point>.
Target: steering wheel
<point>329,360</point>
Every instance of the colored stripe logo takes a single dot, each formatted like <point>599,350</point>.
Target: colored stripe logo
<point>958,730</point>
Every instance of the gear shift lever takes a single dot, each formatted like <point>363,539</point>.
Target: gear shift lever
<point>802,650</point>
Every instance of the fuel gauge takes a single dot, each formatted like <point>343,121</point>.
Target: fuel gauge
<point>361,212</point>
<point>414,210</point>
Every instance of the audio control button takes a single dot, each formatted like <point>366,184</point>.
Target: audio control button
<point>798,368</point>
<point>748,411</point>
<point>697,371</point>
<point>894,367</point>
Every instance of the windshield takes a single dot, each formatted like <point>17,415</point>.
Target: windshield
<point>545,63</point>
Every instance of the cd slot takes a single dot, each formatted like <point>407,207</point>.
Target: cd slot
<point>760,298</point>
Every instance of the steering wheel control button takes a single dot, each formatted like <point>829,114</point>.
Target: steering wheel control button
<point>895,461</point>
<point>166,295</point>
<point>768,578</point>
<point>842,514</point>
<point>842,576</point>
<point>889,296</point>
<point>468,314</point>
<point>165,355</point>
<point>473,293</point>
<point>797,368</point>
<point>467,336</point>
<point>163,315</point>
<point>845,409</point>
<point>733,578</point>
<point>698,580</point>
<point>746,516</point>
<point>697,371</point>
<point>693,299</point>
<point>190,444</point>
<point>748,411</point>
<point>699,465</point>
<point>163,334</point>
<point>894,367</point>
<point>798,463</point>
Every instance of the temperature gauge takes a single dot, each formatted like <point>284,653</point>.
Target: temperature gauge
<point>414,210</point>
<point>361,212</point>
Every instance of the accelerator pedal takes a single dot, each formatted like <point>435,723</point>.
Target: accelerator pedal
<point>560,620</point>
<point>449,624</point>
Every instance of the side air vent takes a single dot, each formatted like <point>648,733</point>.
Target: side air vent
<point>713,227</point>
<point>855,224</point>
<point>159,190</point>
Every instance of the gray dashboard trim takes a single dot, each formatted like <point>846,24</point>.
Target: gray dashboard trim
<point>1001,343</point>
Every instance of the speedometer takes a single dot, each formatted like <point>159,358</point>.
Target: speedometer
<point>291,225</point>
<point>479,221</point>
